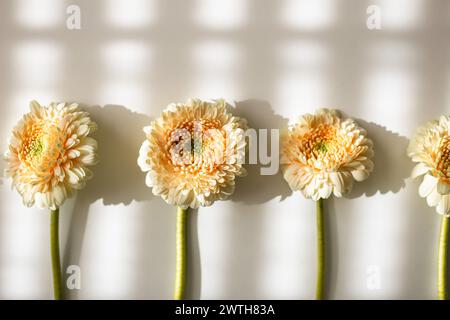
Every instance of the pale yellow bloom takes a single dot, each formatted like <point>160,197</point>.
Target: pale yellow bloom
<point>49,152</point>
<point>193,153</point>
<point>430,148</point>
<point>322,154</point>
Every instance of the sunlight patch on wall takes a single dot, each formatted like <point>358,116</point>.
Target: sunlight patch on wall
<point>16,278</point>
<point>22,257</point>
<point>401,15</point>
<point>125,93</point>
<point>125,66</point>
<point>219,14</point>
<point>301,84</point>
<point>391,97</point>
<point>106,250</point>
<point>215,70</point>
<point>392,53</point>
<point>21,99</point>
<point>307,14</point>
<point>391,85</point>
<point>37,64</point>
<point>130,13</point>
<point>125,59</point>
<point>304,54</point>
<point>287,242</point>
<point>40,14</point>
<point>376,232</point>
<point>36,75</point>
<point>213,232</point>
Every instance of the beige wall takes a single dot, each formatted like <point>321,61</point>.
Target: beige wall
<point>276,60</point>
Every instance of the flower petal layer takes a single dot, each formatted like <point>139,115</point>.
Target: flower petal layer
<point>49,152</point>
<point>323,154</point>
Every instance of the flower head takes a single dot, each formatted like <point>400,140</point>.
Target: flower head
<point>49,152</point>
<point>322,154</point>
<point>193,153</point>
<point>430,148</point>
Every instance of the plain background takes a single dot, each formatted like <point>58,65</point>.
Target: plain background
<point>275,60</point>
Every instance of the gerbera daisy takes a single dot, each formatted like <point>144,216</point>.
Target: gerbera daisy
<point>322,155</point>
<point>47,159</point>
<point>430,149</point>
<point>192,155</point>
<point>49,152</point>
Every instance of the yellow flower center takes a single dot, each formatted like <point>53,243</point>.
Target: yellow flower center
<point>41,147</point>
<point>196,146</point>
<point>318,142</point>
<point>443,163</point>
<point>322,147</point>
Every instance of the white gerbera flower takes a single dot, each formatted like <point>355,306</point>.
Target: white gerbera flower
<point>322,155</point>
<point>49,152</point>
<point>192,153</point>
<point>430,148</point>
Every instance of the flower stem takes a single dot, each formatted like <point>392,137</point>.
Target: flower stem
<point>180,275</point>
<point>442,263</point>
<point>54,249</point>
<point>320,250</point>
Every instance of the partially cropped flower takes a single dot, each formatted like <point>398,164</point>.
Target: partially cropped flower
<point>193,153</point>
<point>49,152</point>
<point>430,148</point>
<point>322,154</point>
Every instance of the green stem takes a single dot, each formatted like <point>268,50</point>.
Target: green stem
<point>320,250</point>
<point>54,249</point>
<point>442,263</point>
<point>180,275</point>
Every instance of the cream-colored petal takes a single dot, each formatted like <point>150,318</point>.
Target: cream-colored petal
<point>59,194</point>
<point>419,170</point>
<point>73,154</point>
<point>89,159</point>
<point>82,130</point>
<point>433,198</point>
<point>215,169</point>
<point>35,107</point>
<point>428,184</point>
<point>57,156</point>
<point>325,191</point>
<point>444,205</point>
<point>360,175</point>
<point>143,156</point>
<point>309,189</point>
<point>338,184</point>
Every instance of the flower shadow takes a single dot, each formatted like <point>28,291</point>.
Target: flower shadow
<point>193,269</point>
<point>331,249</point>
<point>2,172</point>
<point>119,181</point>
<point>119,138</point>
<point>244,270</point>
<point>391,163</point>
<point>256,188</point>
